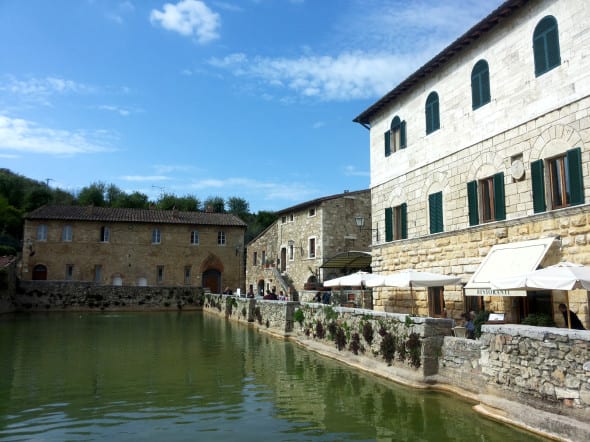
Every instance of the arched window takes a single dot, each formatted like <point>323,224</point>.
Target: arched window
<point>480,84</point>
<point>546,45</point>
<point>432,115</point>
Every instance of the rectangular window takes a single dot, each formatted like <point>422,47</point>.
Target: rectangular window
<point>291,217</point>
<point>564,178</point>
<point>98,273</point>
<point>69,272</point>
<point>283,219</point>
<point>436,302</point>
<point>291,252</point>
<point>263,261</point>
<point>195,237</point>
<point>42,232</point>
<point>486,200</point>
<point>435,207</point>
<point>187,275</point>
<point>156,236</point>
<point>396,223</point>
<point>105,234</point>
<point>160,274</point>
<point>311,248</point>
<point>221,238</point>
<point>66,233</point>
<point>311,212</point>
<point>255,258</point>
<point>486,195</point>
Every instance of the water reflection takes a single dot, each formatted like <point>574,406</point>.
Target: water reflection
<point>186,376</point>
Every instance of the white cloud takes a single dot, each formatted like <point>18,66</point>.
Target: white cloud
<point>25,136</point>
<point>347,76</point>
<point>124,112</point>
<point>191,18</point>
<point>374,45</point>
<point>291,191</point>
<point>353,171</point>
<point>140,178</point>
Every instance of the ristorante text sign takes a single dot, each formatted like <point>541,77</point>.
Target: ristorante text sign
<point>486,291</point>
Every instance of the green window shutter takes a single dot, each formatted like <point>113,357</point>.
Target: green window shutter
<point>553,56</point>
<point>472,203</point>
<point>387,143</point>
<point>475,88</point>
<point>539,54</point>
<point>574,165</point>
<point>403,142</point>
<point>404,220</point>
<point>485,87</point>
<point>388,224</point>
<point>499,199</point>
<point>436,214</point>
<point>538,179</point>
<point>436,121</point>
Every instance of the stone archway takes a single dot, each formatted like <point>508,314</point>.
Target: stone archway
<point>211,273</point>
<point>40,273</point>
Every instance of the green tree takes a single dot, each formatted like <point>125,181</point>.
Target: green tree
<point>238,206</point>
<point>214,204</point>
<point>38,197</point>
<point>93,195</point>
<point>135,200</point>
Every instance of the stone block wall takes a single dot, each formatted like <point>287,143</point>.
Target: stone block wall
<point>78,296</point>
<point>548,368</point>
<point>461,252</point>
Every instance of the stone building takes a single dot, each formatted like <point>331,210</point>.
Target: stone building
<point>485,150</point>
<point>112,246</point>
<point>311,242</point>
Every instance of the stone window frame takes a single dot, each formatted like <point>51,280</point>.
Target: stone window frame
<point>42,232</point>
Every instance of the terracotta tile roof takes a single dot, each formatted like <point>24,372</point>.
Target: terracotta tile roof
<point>107,214</point>
<point>318,201</point>
<point>504,11</point>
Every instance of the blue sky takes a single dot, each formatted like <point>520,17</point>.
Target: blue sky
<point>248,98</point>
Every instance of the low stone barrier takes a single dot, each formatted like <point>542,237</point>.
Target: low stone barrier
<point>68,295</point>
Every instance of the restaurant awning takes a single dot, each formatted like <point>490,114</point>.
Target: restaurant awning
<point>355,260</point>
<point>505,260</point>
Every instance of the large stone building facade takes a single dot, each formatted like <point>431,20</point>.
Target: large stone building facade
<point>111,246</point>
<point>487,144</point>
<point>292,254</point>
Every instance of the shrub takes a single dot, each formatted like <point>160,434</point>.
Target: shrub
<point>319,330</point>
<point>388,347</point>
<point>368,332</point>
<point>299,316</point>
<point>355,343</point>
<point>539,320</point>
<point>413,345</point>
<point>340,338</point>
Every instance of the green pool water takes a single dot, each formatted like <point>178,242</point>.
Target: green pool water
<point>190,376</point>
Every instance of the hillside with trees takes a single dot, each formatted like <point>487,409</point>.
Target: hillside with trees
<point>20,195</point>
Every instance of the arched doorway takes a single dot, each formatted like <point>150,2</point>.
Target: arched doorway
<point>39,272</point>
<point>117,280</point>
<point>260,287</point>
<point>211,271</point>
<point>283,259</point>
<point>212,280</point>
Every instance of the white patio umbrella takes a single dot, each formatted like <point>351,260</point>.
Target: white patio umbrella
<point>357,279</point>
<point>411,278</point>
<point>563,276</point>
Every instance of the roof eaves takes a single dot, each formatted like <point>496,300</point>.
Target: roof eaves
<point>485,25</point>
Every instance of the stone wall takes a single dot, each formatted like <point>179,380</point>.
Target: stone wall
<point>536,378</point>
<point>49,295</point>
<point>548,368</point>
